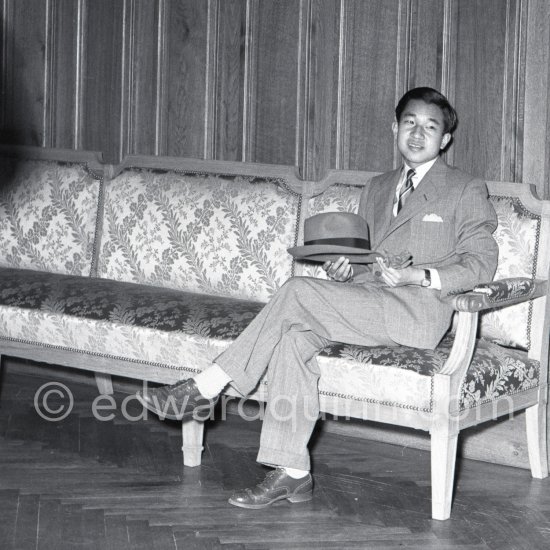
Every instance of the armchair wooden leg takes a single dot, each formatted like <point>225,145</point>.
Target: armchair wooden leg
<point>535,420</point>
<point>443,459</point>
<point>192,432</point>
<point>104,383</point>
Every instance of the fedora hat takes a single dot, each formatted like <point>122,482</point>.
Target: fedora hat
<point>329,235</point>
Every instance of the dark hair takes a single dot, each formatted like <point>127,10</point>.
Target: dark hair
<point>429,95</point>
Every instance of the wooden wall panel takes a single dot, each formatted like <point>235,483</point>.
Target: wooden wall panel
<point>61,92</point>
<point>317,86</point>
<point>102,77</point>
<point>24,70</point>
<point>230,38</point>
<point>425,44</point>
<point>536,108</point>
<point>374,85</point>
<point>275,106</point>
<point>482,87</point>
<point>140,74</point>
<point>184,103</point>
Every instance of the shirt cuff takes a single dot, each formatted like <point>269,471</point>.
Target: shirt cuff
<point>436,281</point>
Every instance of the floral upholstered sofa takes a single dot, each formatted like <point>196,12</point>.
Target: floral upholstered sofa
<point>150,269</point>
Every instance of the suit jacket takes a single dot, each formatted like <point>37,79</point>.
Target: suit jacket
<point>447,224</point>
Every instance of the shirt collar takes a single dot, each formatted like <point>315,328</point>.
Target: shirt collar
<point>420,171</point>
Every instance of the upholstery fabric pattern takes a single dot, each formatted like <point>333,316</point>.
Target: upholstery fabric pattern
<point>48,214</point>
<point>517,237</point>
<point>144,324</point>
<point>495,371</point>
<point>131,304</point>
<point>166,326</point>
<point>507,289</point>
<point>203,233</point>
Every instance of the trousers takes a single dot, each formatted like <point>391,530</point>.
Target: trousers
<point>303,317</point>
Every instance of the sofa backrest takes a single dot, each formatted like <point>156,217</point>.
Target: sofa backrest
<point>48,213</point>
<point>210,232</point>
<point>523,236</point>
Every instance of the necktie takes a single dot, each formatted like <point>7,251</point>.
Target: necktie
<point>406,190</point>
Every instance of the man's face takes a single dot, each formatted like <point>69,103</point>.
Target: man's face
<point>420,132</point>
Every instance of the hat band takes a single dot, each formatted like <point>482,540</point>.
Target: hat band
<point>341,241</point>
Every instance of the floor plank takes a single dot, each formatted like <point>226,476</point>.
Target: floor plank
<point>120,484</point>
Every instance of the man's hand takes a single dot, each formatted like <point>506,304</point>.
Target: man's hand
<point>340,270</point>
<point>397,261</point>
<point>400,277</point>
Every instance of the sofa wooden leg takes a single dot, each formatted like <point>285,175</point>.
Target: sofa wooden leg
<point>192,432</point>
<point>104,383</point>
<point>535,420</point>
<point>443,459</point>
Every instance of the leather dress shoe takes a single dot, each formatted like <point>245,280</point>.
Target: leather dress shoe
<point>277,485</point>
<point>177,401</point>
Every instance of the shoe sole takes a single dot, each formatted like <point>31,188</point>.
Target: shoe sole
<point>300,497</point>
<point>162,415</point>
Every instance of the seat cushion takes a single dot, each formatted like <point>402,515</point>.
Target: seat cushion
<point>186,331</point>
<point>495,371</point>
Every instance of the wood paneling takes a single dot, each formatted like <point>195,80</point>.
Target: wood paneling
<point>317,86</point>
<point>24,68</point>
<point>306,82</point>
<point>426,43</point>
<point>61,89</point>
<point>101,85</point>
<point>374,83</point>
<point>275,105</point>
<point>184,103</point>
<point>486,94</point>
<point>140,76</point>
<point>536,109</point>
<point>230,38</point>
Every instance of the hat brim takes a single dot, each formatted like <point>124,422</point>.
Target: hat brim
<point>323,253</point>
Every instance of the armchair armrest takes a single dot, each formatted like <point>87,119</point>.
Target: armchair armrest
<point>504,292</point>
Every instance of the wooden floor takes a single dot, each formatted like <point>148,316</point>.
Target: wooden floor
<point>83,484</point>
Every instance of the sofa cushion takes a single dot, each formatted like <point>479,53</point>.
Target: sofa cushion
<point>225,235</point>
<point>495,371</point>
<point>157,308</point>
<point>172,329</point>
<point>48,213</point>
<point>159,328</point>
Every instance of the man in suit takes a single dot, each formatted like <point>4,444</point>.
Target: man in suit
<point>439,214</point>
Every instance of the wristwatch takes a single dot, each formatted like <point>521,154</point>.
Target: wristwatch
<point>427,280</point>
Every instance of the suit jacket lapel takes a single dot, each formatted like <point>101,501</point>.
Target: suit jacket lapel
<point>383,204</point>
<point>428,190</point>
